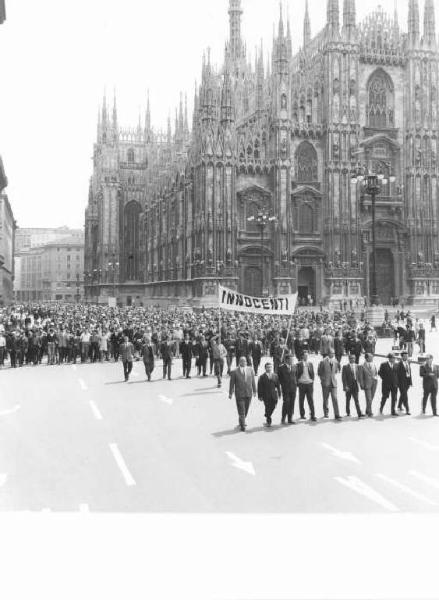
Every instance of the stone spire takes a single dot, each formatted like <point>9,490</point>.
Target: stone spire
<point>114,112</point>
<point>306,26</point>
<point>429,38</point>
<point>349,19</point>
<point>235,13</point>
<point>333,18</point>
<point>148,115</point>
<point>413,23</point>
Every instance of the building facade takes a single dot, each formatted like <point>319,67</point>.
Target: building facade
<point>7,240</point>
<point>167,216</point>
<point>53,272</point>
<point>30,237</point>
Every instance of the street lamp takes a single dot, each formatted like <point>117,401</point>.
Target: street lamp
<point>262,219</point>
<point>371,184</point>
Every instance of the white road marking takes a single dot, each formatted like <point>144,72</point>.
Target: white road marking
<point>95,410</point>
<point>84,508</point>
<point>341,454</point>
<point>83,384</point>
<point>425,479</point>
<point>129,479</point>
<point>426,445</point>
<point>406,489</point>
<point>3,479</point>
<point>74,367</point>
<point>238,463</point>
<point>166,400</point>
<point>355,484</point>
<point>10,411</point>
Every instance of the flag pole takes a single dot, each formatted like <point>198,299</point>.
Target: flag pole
<point>289,329</point>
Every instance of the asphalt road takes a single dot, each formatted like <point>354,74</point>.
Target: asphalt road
<point>78,438</point>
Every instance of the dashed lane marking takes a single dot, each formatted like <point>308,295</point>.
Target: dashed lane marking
<point>10,411</point>
<point>407,490</point>
<point>356,485</point>
<point>83,384</point>
<point>129,479</point>
<point>95,410</point>
<point>434,483</point>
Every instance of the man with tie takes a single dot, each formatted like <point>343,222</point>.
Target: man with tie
<point>368,380</point>
<point>404,381</point>
<point>269,392</point>
<point>327,371</point>
<point>305,381</point>
<point>242,383</point>
<point>349,376</point>
<point>186,348</point>
<point>389,386</point>
<point>429,374</point>
<point>288,384</point>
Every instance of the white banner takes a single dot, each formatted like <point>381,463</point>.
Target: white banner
<point>280,305</point>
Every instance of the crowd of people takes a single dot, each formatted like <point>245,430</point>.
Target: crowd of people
<point>55,334</point>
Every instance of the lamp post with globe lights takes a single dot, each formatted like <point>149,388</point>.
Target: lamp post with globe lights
<point>262,219</point>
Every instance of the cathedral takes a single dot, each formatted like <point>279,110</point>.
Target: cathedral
<point>173,213</point>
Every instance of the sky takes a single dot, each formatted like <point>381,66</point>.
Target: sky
<point>58,57</point>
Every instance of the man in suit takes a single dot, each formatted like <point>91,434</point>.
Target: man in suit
<point>368,380</point>
<point>167,352</point>
<point>243,385</point>
<point>350,378</point>
<point>389,386</point>
<point>127,354</point>
<point>429,374</point>
<point>305,381</point>
<point>148,357</point>
<point>327,371</point>
<point>404,381</point>
<point>288,384</point>
<point>186,355</point>
<point>269,392</point>
<point>326,343</point>
<point>202,352</point>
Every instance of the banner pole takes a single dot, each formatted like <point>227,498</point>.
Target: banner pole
<point>289,331</point>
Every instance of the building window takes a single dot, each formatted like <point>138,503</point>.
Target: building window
<point>380,110</point>
<point>130,155</point>
<point>306,219</point>
<point>306,163</point>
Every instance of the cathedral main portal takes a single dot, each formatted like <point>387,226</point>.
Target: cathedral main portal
<point>385,269</point>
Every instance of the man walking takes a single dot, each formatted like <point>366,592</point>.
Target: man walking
<point>219,354</point>
<point>349,376</point>
<point>327,371</point>
<point>429,374</point>
<point>404,381</point>
<point>305,380</point>
<point>127,354</point>
<point>269,392</point>
<point>148,357</point>
<point>288,383</point>
<point>368,379</point>
<point>166,352</point>
<point>389,386</point>
<point>243,385</point>
<point>186,355</point>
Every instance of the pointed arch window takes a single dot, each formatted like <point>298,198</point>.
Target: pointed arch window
<point>380,109</point>
<point>306,219</point>
<point>130,155</point>
<point>306,163</point>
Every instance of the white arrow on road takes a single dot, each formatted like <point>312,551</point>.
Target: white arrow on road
<point>341,454</point>
<point>356,485</point>
<point>10,411</point>
<point>238,463</point>
<point>425,479</point>
<point>426,445</point>
<point>166,400</point>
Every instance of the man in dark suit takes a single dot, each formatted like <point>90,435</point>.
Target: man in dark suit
<point>288,383</point>
<point>186,355</point>
<point>389,386</point>
<point>148,357</point>
<point>269,392</point>
<point>202,352</point>
<point>350,377</point>
<point>243,385</point>
<point>404,381</point>
<point>167,352</point>
<point>368,380</point>
<point>305,381</point>
<point>127,355</point>
<point>327,371</point>
<point>429,374</point>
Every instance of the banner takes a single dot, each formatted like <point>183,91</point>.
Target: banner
<point>231,300</point>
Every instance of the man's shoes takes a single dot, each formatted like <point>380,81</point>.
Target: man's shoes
<point>242,428</point>
<point>361,416</point>
<point>400,408</point>
<point>348,414</point>
<point>219,385</point>
<point>188,376</point>
<point>313,419</point>
<point>408,413</point>
<point>338,418</point>
<point>381,410</point>
<point>282,422</point>
<point>302,418</point>
<point>126,378</point>
<point>267,424</point>
<point>395,414</point>
<point>291,422</point>
<point>326,416</point>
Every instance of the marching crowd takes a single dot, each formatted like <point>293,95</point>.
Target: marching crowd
<point>54,334</point>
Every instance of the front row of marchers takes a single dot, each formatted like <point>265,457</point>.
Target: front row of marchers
<point>396,376</point>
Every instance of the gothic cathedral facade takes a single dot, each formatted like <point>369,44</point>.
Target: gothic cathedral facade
<point>168,212</point>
